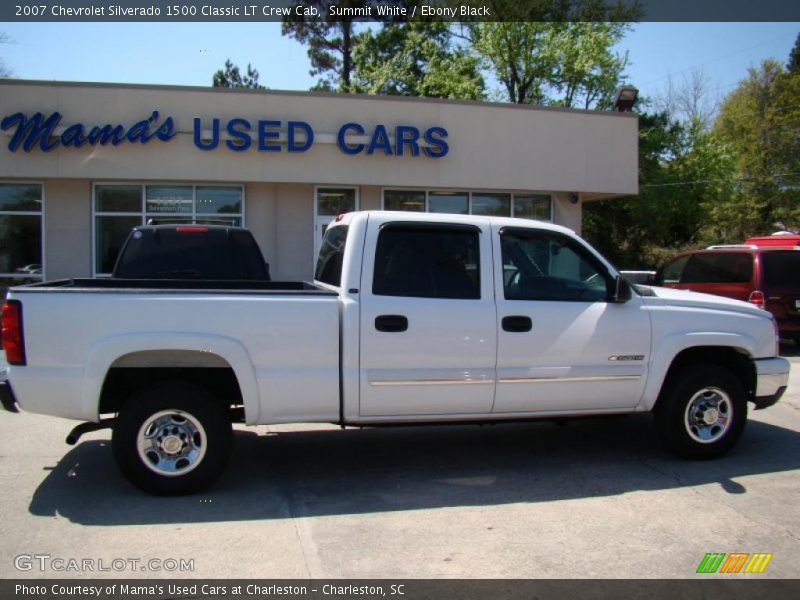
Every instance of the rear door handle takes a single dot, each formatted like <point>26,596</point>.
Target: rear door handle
<point>391,323</point>
<point>517,324</point>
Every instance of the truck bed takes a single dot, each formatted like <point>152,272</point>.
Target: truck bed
<point>204,286</point>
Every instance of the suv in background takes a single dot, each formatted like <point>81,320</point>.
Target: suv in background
<point>768,277</point>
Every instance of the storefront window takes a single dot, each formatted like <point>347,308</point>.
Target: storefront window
<point>118,198</point>
<point>172,200</point>
<point>335,201</point>
<point>121,207</point>
<point>448,202</point>
<point>20,233</point>
<point>407,200</point>
<point>494,205</point>
<point>533,206</point>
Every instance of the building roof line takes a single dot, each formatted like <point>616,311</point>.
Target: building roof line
<point>297,93</point>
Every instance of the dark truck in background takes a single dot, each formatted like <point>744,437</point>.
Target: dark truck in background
<point>191,251</point>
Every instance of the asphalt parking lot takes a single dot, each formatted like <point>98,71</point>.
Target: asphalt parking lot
<point>595,498</point>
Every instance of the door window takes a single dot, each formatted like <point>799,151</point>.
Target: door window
<point>427,262</point>
<point>542,265</point>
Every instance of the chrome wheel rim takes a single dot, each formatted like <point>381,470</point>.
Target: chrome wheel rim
<point>708,415</point>
<point>171,443</point>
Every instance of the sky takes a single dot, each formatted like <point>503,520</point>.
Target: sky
<point>189,53</point>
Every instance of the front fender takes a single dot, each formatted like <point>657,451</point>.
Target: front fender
<point>672,345</point>
<point>107,350</point>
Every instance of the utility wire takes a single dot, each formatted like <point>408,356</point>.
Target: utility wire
<point>736,179</point>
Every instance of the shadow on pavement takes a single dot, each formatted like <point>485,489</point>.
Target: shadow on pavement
<point>333,472</point>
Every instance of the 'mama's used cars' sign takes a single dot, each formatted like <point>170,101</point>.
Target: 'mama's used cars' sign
<point>46,133</point>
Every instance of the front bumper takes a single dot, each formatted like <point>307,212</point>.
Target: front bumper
<point>7,394</point>
<point>772,377</point>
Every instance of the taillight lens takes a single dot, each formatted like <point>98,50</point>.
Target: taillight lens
<point>13,341</point>
<point>756,298</point>
<point>191,229</point>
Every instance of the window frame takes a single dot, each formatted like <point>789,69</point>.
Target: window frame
<point>143,214</point>
<point>576,246</point>
<point>42,216</point>
<point>429,191</point>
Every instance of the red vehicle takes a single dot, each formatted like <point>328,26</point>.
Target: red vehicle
<point>775,240</point>
<point>767,276</point>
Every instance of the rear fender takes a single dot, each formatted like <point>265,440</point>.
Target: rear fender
<point>107,350</point>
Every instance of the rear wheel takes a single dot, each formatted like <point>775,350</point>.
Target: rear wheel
<point>172,438</point>
<point>703,412</point>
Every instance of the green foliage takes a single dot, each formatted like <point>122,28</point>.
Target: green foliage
<point>231,77</point>
<point>683,174</point>
<point>416,59</point>
<point>760,123</point>
<point>563,57</point>
<point>793,66</point>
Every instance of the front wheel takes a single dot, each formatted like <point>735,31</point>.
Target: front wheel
<point>172,438</point>
<point>702,413</point>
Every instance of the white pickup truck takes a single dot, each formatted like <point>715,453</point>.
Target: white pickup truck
<point>412,318</point>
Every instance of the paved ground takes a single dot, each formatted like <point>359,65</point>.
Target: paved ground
<point>593,499</point>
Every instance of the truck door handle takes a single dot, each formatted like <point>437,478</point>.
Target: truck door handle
<point>391,323</point>
<point>517,324</point>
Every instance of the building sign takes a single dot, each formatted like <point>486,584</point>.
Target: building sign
<point>46,133</point>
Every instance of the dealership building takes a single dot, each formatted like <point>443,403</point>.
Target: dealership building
<point>83,163</point>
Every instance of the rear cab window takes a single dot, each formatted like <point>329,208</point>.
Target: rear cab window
<point>331,256</point>
<point>193,252</point>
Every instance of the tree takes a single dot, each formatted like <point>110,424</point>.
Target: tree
<point>760,121</point>
<point>4,70</point>
<point>331,40</point>
<point>561,55</point>
<point>230,77</point>
<point>692,100</point>
<point>416,59</point>
<point>793,66</point>
<point>684,174</point>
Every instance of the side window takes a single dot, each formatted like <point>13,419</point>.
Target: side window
<point>719,267</point>
<point>331,254</point>
<point>671,273</point>
<point>427,262</point>
<point>542,265</point>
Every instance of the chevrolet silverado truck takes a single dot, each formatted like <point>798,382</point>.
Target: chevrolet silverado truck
<point>411,318</point>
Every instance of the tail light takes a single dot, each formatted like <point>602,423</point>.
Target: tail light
<point>757,299</point>
<point>13,340</point>
<point>191,229</point>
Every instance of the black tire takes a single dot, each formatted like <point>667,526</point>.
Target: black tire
<point>796,339</point>
<point>679,429</point>
<point>200,458</point>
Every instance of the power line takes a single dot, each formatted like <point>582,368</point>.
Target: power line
<point>735,179</point>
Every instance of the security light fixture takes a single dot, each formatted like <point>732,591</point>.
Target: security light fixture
<point>626,98</point>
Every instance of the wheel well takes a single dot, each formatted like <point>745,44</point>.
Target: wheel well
<point>735,360</point>
<point>135,371</point>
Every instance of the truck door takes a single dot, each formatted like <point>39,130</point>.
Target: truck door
<point>562,345</point>
<point>428,320</point>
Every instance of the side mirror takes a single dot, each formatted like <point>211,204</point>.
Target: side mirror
<point>622,290</point>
